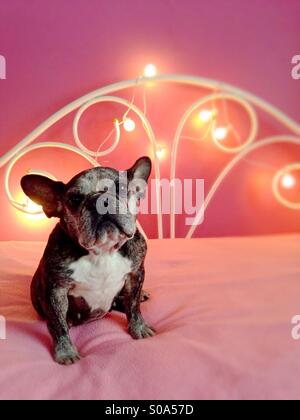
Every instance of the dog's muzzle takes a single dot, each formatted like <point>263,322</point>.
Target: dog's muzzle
<point>106,223</point>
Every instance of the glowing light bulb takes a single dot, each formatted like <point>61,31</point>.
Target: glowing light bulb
<point>206,115</point>
<point>34,212</point>
<point>220,133</point>
<point>129,125</point>
<point>32,207</point>
<point>34,216</point>
<point>161,152</point>
<point>288,181</point>
<point>150,70</point>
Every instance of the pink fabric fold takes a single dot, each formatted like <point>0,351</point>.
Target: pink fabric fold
<point>222,309</point>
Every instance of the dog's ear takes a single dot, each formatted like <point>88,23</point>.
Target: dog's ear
<point>141,169</point>
<point>138,177</point>
<point>45,192</point>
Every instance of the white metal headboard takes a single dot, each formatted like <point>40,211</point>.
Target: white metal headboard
<point>219,91</point>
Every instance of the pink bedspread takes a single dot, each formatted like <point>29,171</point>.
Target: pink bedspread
<point>222,309</point>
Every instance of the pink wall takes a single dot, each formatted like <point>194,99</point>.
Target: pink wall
<point>59,50</point>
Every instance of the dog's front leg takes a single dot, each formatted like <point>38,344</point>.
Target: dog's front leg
<point>137,326</point>
<point>56,314</point>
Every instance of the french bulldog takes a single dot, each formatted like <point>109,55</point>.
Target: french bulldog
<point>94,259</point>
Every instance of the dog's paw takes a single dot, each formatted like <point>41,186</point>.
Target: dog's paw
<point>67,359</point>
<point>145,296</point>
<point>140,330</point>
<point>66,356</point>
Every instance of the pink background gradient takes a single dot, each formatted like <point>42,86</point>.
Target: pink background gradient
<point>59,50</point>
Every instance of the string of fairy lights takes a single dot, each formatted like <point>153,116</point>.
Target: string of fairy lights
<point>206,117</point>
<point>129,125</point>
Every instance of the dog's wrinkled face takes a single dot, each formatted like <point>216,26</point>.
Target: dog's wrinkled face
<point>98,207</point>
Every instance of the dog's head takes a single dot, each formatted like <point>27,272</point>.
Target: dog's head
<point>98,207</point>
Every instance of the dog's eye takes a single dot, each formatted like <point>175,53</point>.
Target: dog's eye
<point>104,190</point>
<point>122,188</point>
<point>75,200</point>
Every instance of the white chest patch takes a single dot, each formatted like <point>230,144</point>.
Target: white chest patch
<point>99,279</point>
